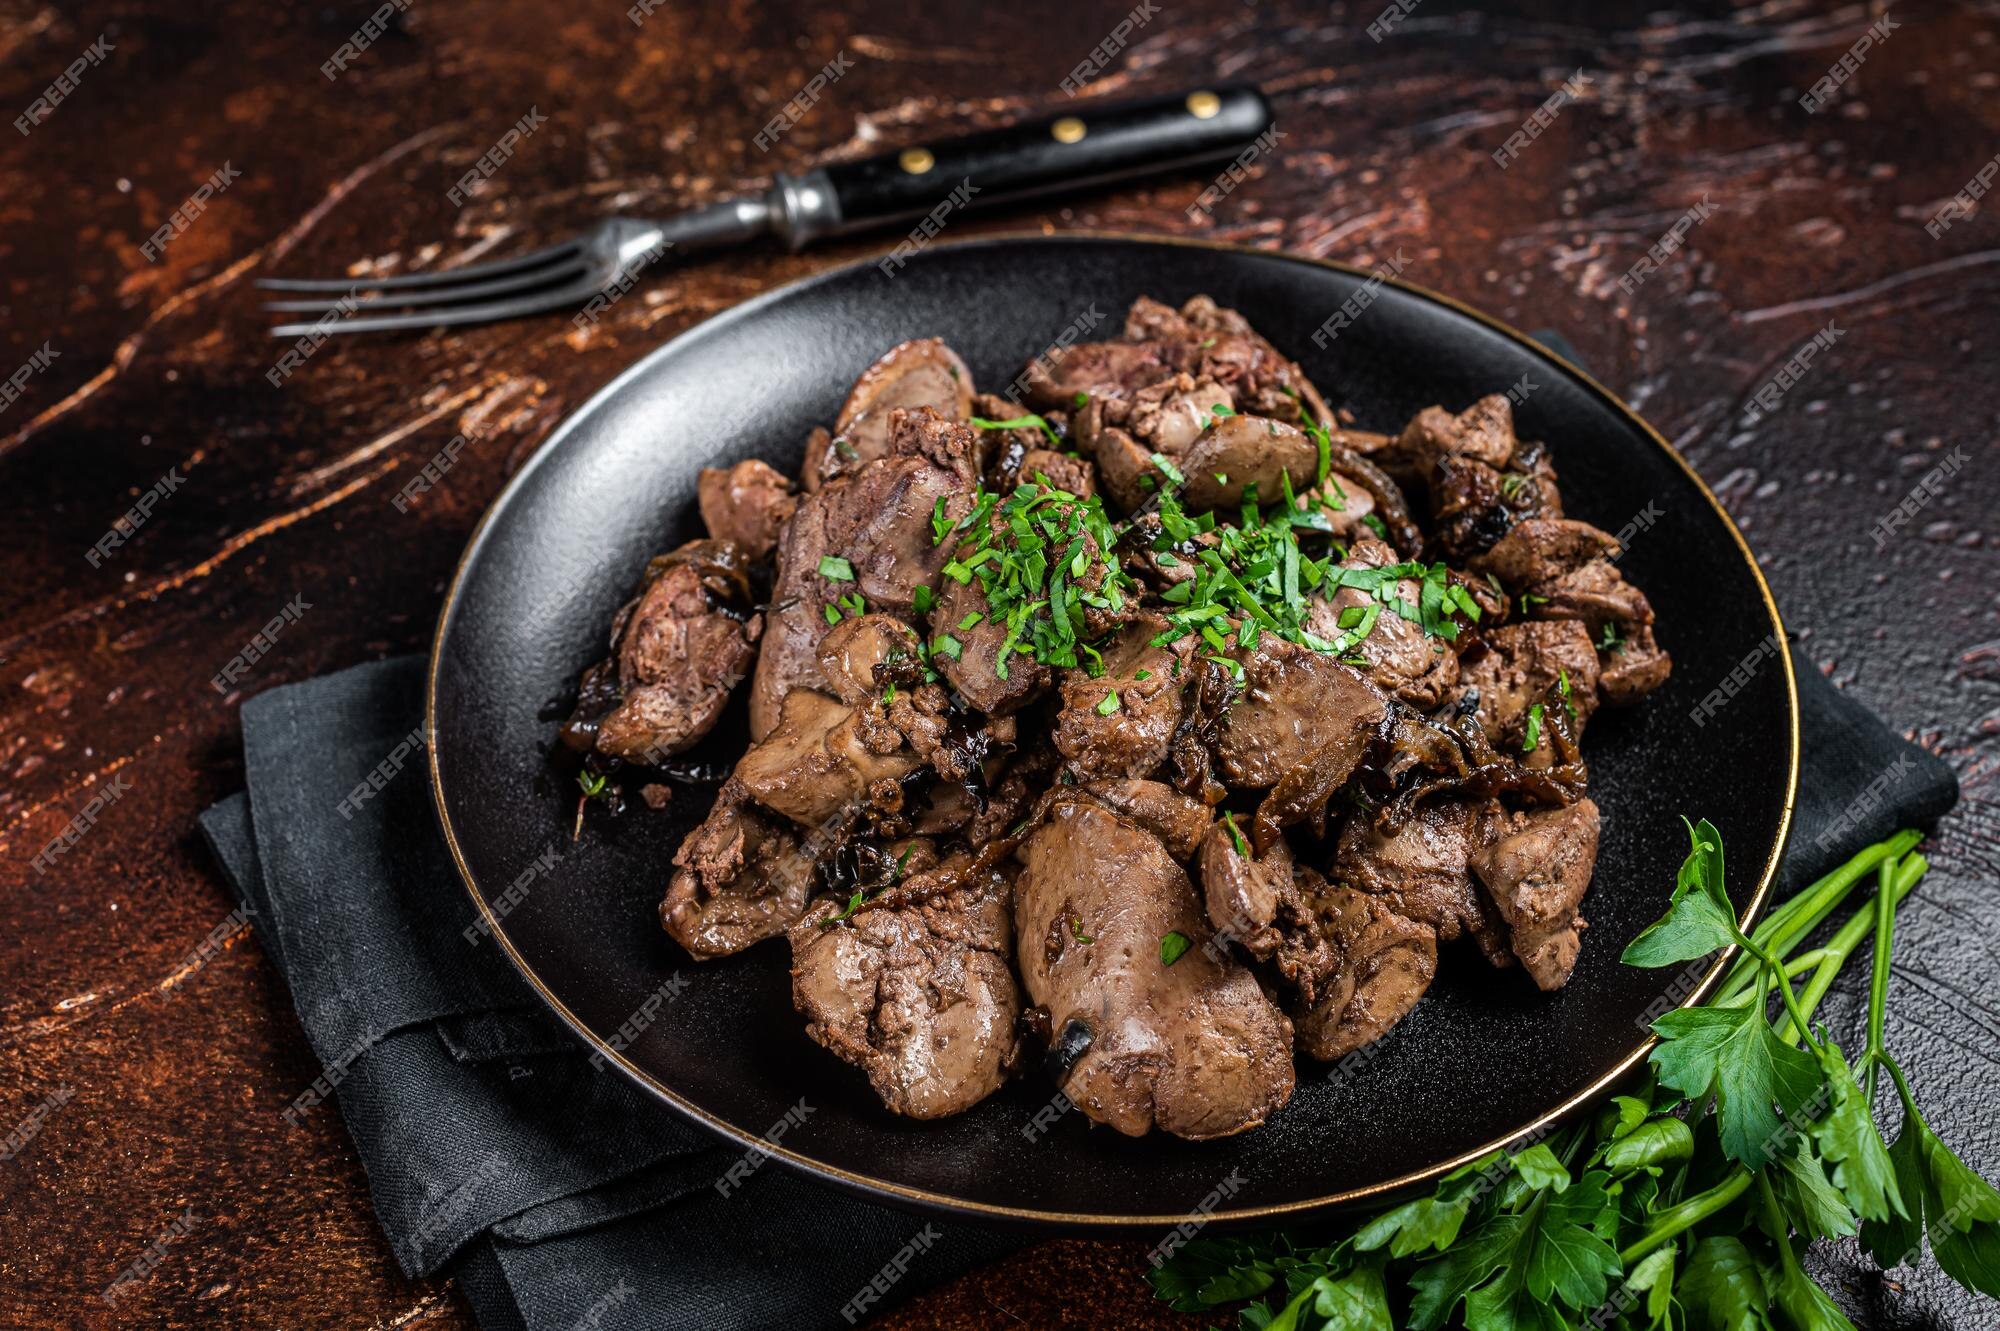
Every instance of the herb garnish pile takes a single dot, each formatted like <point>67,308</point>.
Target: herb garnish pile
<point>1044,556</point>
<point>1684,1204</point>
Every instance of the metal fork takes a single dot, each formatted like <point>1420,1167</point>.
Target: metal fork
<point>1030,159</point>
<point>608,255</point>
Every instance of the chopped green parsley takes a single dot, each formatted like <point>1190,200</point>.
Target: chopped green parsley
<point>1531,734</point>
<point>1041,557</point>
<point>1020,422</point>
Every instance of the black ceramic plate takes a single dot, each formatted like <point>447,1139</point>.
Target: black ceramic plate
<point>1483,1059</point>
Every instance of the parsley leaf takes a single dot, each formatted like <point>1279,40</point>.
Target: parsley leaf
<point>1699,918</point>
<point>1205,1273</point>
<point>1733,1054</point>
<point>1055,441</point>
<point>1722,1286</point>
<point>1355,1301</point>
<point>1531,734</point>
<point>1650,1145</point>
<point>1235,836</point>
<point>1957,1209</point>
<point>1814,1205</point>
<point>1849,1142</point>
<point>1423,1224</point>
<point>1173,945</point>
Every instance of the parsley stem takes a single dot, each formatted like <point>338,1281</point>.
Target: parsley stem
<point>1798,965</point>
<point>1903,1090</point>
<point>1675,1220</point>
<point>1775,971</point>
<point>1841,946</point>
<point>1878,981</point>
<point>1778,1227</point>
<point>1785,925</point>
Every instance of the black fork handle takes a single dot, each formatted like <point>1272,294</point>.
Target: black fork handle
<point>1090,145</point>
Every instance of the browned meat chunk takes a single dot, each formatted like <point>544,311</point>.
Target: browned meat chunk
<point>1385,498</point>
<point>1103,430</point>
<point>1619,620</point>
<point>1123,465</point>
<point>1537,874</point>
<point>741,877</point>
<point>1205,339</point>
<point>1240,455</point>
<point>862,658</point>
<point>1594,594</point>
<point>1540,550</point>
<point>1633,666</point>
<point>1483,432</point>
<point>748,504</point>
<point>1168,417</point>
<point>1386,962</point>
<point>823,761</point>
<point>967,638</point>
<point>1516,666</point>
<point>1179,821</point>
<point>975,669</point>
<point>1474,505</point>
<point>1263,904</point>
<point>1070,475</point>
<point>852,650</point>
<point>1022,780</point>
<point>1102,736</point>
<point>922,372</point>
<point>1563,570</point>
<point>1346,505</point>
<point>1002,449</point>
<point>1299,708</point>
<point>915,989</point>
<point>681,649</point>
<point>1418,871</point>
<point>1194,425</point>
<point>1193,1048</point>
<point>874,525</point>
<point>1399,658</point>
<point>1094,370</point>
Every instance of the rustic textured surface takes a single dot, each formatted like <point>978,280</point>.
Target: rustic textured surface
<point>104,671</point>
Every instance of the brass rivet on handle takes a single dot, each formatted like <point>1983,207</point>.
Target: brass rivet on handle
<point>916,161</point>
<point>1204,105</point>
<point>1068,130</point>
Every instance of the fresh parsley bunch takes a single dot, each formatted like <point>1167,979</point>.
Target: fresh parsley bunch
<point>1684,1204</point>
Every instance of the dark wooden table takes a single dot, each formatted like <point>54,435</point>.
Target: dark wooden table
<point>158,372</point>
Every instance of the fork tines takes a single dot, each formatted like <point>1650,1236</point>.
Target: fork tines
<point>503,288</point>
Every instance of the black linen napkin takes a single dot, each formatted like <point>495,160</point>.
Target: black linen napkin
<point>560,1195</point>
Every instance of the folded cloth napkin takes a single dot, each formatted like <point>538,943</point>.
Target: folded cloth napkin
<point>558,1195</point>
